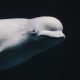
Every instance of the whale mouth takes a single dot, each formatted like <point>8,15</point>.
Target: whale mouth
<point>51,40</point>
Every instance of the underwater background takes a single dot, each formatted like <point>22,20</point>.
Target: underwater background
<point>61,62</point>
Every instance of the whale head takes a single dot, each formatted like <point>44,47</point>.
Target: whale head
<point>47,32</point>
<point>40,34</point>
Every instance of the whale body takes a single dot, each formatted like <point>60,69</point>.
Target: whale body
<point>21,38</point>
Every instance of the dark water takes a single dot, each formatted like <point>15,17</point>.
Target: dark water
<point>59,63</point>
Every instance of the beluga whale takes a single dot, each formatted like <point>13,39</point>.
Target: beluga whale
<point>22,38</point>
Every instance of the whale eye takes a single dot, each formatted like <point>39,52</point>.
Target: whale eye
<point>34,33</point>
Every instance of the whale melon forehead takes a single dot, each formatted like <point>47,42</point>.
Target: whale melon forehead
<point>47,23</point>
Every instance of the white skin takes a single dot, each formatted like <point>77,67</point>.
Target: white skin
<point>32,32</point>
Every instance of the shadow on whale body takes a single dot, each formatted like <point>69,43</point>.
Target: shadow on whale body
<point>35,43</point>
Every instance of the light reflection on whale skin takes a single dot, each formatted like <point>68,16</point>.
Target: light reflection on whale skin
<point>20,39</point>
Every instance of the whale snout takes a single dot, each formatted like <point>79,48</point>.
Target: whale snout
<point>52,34</point>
